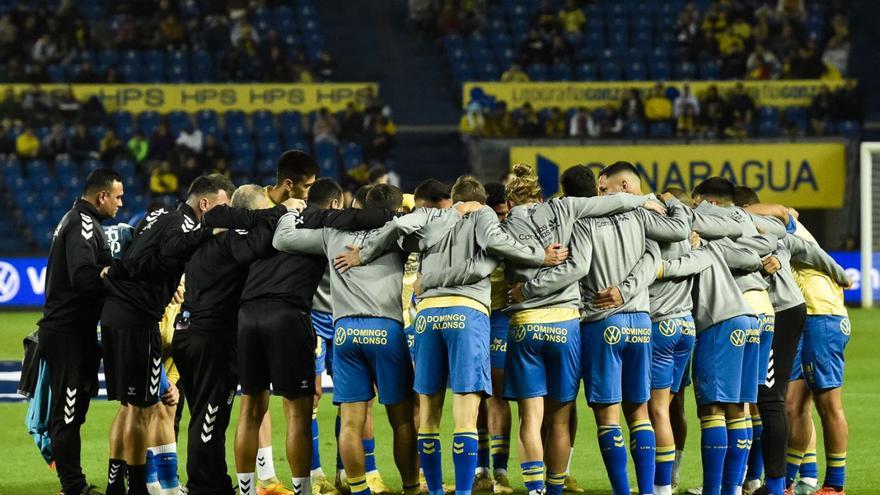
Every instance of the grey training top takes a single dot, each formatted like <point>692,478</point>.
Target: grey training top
<point>752,225</point>
<point>541,225</point>
<point>372,289</point>
<point>322,301</point>
<point>603,253</point>
<point>784,291</point>
<point>671,298</point>
<point>716,296</point>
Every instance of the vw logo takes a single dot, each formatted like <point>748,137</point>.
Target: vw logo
<point>421,324</point>
<point>339,339</point>
<point>9,282</point>
<point>844,326</point>
<point>611,335</point>
<point>668,327</point>
<point>519,333</point>
<point>738,338</point>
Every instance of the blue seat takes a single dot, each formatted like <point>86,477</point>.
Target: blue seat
<point>849,128</point>
<point>618,40</point>
<point>178,73</point>
<point>124,167</point>
<point>107,58</point>
<point>130,72</point>
<point>586,72</point>
<point>352,155</point>
<point>489,72</point>
<point>263,118</point>
<point>685,71</point>
<point>148,121</point>
<point>291,123</point>
<point>91,165</point>
<point>56,73</point>
<point>661,130</point>
<point>768,128</point>
<point>65,169</point>
<point>37,168</point>
<point>482,56</point>
<point>658,70</point>
<point>710,70</point>
<point>610,70</point>
<point>768,113</point>
<point>328,159</point>
<point>561,72</point>
<point>266,166</point>
<point>206,121</point>
<point>797,117</point>
<point>239,166</point>
<point>132,57</point>
<point>635,71</point>
<point>234,118</point>
<point>153,73</point>
<point>537,72</point>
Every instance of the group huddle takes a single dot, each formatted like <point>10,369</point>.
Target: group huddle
<point>490,290</point>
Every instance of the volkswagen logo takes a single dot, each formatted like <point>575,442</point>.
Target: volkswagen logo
<point>339,339</point>
<point>9,282</point>
<point>738,338</point>
<point>844,325</point>
<point>668,327</point>
<point>421,324</point>
<point>611,335</point>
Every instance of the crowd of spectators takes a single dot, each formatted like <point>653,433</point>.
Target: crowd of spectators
<point>34,38</point>
<point>37,125</point>
<point>744,39</point>
<point>679,113</point>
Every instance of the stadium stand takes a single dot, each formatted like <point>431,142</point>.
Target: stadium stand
<point>668,111</point>
<point>43,162</point>
<point>92,41</point>
<point>611,40</point>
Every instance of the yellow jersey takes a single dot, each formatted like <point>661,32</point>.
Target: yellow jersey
<point>822,294</point>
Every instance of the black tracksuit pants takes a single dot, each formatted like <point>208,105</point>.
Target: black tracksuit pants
<point>207,365</point>
<point>771,397</point>
<point>72,359</point>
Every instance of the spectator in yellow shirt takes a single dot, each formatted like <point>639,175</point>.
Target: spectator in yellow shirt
<point>26,144</point>
<point>657,106</point>
<point>514,74</point>
<point>163,180</point>
<point>572,18</point>
<point>556,126</point>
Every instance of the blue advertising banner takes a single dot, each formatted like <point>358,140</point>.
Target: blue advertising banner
<point>22,282</point>
<point>851,261</point>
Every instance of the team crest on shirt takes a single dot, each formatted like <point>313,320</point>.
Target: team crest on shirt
<point>845,326</point>
<point>519,333</point>
<point>738,338</point>
<point>667,327</point>
<point>611,335</point>
<point>421,324</point>
<point>339,339</point>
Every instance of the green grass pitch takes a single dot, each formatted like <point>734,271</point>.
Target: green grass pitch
<point>22,470</point>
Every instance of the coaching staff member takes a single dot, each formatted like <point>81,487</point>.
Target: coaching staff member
<point>68,340</point>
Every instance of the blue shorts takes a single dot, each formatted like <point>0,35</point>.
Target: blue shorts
<point>672,342</point>
<point>452,343</point>
<point>797,372</point>
<point>544,360</point>
<point>822,358</point>
<point>767,325</point>
<point>751,363</point>
<point>499,325</point>
<point>616,359</point>
<point>410,334</point>
<point>323,324</point>
<point>718,361</point>
<point>371,352</point>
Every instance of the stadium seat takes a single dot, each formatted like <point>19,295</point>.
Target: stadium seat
<point>586,72</point>
<point>561,72</point>
<point>148,121</point>
<point>635,71</point>
<point>634,129</point>
<point>768,128</point>
<point>658,70</point>
<point>661,130</point>
<point>610,70</point>
<point>537,72</point>
<point>849,128</point>
<point>796,117</point>
<point>685,71</point>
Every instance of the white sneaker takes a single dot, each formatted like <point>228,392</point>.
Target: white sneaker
<point>750,486</point>
<point>801,487</point>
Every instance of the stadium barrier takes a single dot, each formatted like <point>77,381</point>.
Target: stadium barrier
<point>192,98</point>
<point>592,95</point>
<point>798,175</point>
